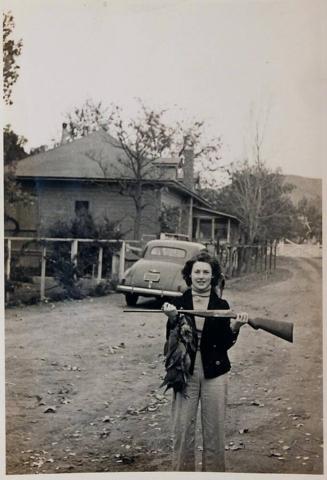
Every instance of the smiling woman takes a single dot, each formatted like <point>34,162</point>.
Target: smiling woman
<point>197,364</point>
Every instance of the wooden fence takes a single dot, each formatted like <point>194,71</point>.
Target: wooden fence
<point>235,259</point>
<point>37,256</point>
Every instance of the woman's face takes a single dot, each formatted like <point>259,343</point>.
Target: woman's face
<point>201,275</point>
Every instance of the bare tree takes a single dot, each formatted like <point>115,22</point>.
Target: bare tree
<point>206,151</point>
<point>87,119</point>
<point>259,197</point>
<point>143,141</point>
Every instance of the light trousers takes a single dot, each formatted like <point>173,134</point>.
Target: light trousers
<point>212,394</point>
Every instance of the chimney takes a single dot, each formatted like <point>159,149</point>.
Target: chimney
<point>65,135</point>
<point>188,166</point>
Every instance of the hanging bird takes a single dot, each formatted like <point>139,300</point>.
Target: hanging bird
<point>178,360</point>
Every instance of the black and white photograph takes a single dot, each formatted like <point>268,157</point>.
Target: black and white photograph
<point>163,194</point>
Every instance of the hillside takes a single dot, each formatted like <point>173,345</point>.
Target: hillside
<point>304,186</point>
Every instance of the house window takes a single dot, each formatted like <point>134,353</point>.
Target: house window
<point>205,229</point>
<point>221,229</point>
<point>81,207</point>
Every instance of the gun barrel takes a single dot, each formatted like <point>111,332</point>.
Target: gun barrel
<point>199,313</point>
<point>282,330</point>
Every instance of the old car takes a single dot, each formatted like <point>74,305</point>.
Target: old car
<point>158,272</point>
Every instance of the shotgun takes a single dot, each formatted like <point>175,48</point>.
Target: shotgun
<point>280,329</point>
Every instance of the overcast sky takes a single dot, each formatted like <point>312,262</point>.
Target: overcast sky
<point>210,60</point>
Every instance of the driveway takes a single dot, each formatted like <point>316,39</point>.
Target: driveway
<point>82,382</point>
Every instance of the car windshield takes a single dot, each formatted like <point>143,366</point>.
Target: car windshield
<point>167,252</point>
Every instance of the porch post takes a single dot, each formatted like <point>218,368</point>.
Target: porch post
<point>190,219</point>
<point>8,263</point>
<point>228,231</point>
<point>213,229</point>
<point>197,234</point>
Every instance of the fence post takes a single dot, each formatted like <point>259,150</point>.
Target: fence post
<point>74,251</point>
<point>256,259</point>
<point>8,263</point>
<point>122,260</point>
<point>275,253</point>
<point>43,269</point>
<point>100,258</point>
<point>270,255</point>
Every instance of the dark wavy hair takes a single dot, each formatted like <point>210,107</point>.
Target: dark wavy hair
<point>203,256</point>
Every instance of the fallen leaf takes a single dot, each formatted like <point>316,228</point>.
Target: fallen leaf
<point>50,410</point>
<point>236,447</point>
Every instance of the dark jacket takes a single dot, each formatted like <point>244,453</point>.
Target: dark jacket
<point>217,336</point>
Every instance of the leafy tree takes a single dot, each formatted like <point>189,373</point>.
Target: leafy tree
<point>40,149</point>
<point>13,150</point>
<point>60,264</point>
<point>11,51</point>
<point>310,218</point>
<point>13,146</point>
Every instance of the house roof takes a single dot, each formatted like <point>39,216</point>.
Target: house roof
<point>95,157</point>
<point>211,211</point>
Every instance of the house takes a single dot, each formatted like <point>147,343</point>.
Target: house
<point>89,174</point>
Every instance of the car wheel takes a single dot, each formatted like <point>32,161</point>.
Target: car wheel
<point>131,299</point>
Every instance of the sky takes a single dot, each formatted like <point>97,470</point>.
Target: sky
<point>230,63</point>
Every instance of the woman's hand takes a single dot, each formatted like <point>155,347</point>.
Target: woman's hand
<point>169,310</point>
<point>239,321</point>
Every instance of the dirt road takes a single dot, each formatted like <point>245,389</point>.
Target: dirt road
<point>82,383</point>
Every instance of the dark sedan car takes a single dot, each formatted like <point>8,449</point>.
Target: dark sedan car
<point>158,272</point>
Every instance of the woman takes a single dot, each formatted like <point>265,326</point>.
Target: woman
<point>206,359</point>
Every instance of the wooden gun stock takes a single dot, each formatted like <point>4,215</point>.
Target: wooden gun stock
<point>282,330</point>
